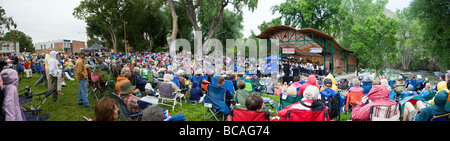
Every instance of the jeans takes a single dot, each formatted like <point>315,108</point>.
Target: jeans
<point>83,92</point>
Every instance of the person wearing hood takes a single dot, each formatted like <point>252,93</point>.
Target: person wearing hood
<point>378,95</point>
<point>311,81</point>
<point>330,98</point>
<point>296,83</point>
<point>333,85</point>
<point>424,111</point>
<point>196,92</point>
<point>54,71</point>
<point>441,86</point>
<point>11,106</point>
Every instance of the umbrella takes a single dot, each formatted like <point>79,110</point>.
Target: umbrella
<point>270,67</point>
<point>438,74</point>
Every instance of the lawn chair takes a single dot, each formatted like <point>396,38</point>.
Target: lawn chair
<point>385,113</point>
<point>166,93</point>
<point>288,100</point>
<point>31,113</point>
<point>240,97</point>
<point>123,109</point>
<point>352,98</point>
<point>306,113</point>
<point>229,85</point>
<point>147,101</point>
<point>214,102</point>
<point>443,117</point>
<point>246,115</point>
<point>248,87</point>
<point>97,89</point>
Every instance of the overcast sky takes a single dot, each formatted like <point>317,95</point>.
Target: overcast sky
<point>46,20</point>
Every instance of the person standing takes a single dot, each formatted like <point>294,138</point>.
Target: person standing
<point>54,71</point>
<point>81,76</point>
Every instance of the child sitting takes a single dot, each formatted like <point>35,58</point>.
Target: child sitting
<point>254,103</point>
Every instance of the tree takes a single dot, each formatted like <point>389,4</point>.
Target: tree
<point>266,25</point>
<point>25,41</point>
<point>373,42</point>
<point>435,16</point>
<point>317,14</point>
<point>106,12</point>
<point>5,22</point>
<point>210,13</point>
<point>410,33</point>
<point>352,12</point>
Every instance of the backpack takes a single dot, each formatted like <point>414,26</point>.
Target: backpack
<point>332,104</point>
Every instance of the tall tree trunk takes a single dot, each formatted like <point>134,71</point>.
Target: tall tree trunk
<point>172,38</point>
<point>113,38</point>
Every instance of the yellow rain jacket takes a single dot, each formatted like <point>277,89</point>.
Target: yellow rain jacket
<point>440,86</point>
<point>333,87</point>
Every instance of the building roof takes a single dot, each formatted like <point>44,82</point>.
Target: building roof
<point>266,35</point>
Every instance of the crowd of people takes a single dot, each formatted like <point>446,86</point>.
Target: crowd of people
<point>137,75</point>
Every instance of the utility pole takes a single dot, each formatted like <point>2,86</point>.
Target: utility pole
<point>125,37</point>
<point>15,47</point>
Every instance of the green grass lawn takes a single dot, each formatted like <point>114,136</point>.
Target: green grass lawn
<point>67,108</point>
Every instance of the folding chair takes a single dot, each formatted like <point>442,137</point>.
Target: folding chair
<point>26,98</point>
<point>443,117</point>
<point>214,102</point>
<point>306,113</point>
<point>352,98</point>
<point>34,114</point>
<point>123,109</point>
<point>248,87</point>
<point>246,115</point>
<point>96,87</point>
<point>229,85</point>
<point>288,100</point>
<point>241,96</point>
<point>166,93</point>
<point>385,113</point>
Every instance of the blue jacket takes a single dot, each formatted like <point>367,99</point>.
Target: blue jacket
<point>330,93</point>
<point>196,91</point>
<point>438,108</point>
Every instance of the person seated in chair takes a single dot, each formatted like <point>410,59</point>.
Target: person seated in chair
<point>131,101</point>
<point>310,95</point>
<point>156,113</point>
<point>168,78</point>
<point>254,103</point>
<point>106,110</point>
<point>101,78</point>
<point>425,112</point>
<point>378,95</point>
<point>125,73</point>
<point>228,96</point>
<point>196,93</point>
<point>241,93</point>
<point>140,82</point>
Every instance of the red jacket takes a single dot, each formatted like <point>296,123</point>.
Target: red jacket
<point>306,110</point>
<point>311,81</point>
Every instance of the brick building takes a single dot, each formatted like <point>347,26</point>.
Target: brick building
<point>67,46</point>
